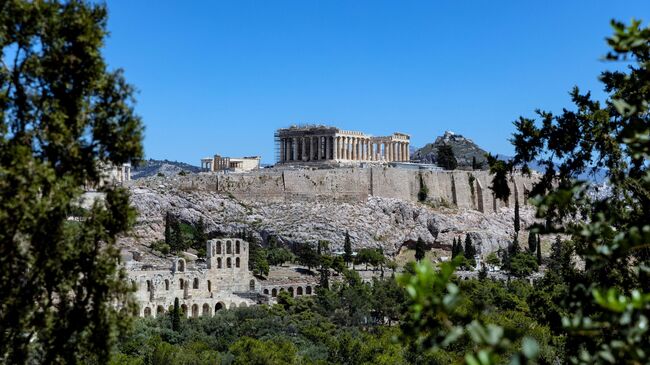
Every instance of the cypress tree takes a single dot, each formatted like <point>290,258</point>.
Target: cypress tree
<point>539,251</point>
<point>459,248</point>
<point>347,247</point>
<point>419,249</point>
<point>454,249</point>
<point>470,251</point>
<point>532,242</point>
<point>176,316</point>
<point>517,223</point>
<point>168,228</point>
<point>446,158</point>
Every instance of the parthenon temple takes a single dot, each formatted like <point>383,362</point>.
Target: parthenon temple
<point>323,143</point>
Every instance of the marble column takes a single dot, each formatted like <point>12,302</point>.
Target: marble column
<point>408,152</point>
<point>281,149</point>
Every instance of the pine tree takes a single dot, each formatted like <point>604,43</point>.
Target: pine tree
<point>347,247</point>
<point>517,223</point>
<point>176,316</point>
<point>532,242</point>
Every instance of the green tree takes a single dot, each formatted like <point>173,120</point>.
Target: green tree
<point>609,299</point>
<point>423,193</point>
<point>493,259</point>
<point>168,228</point>
<point>517,219</point>
<point>279,255</point>
<point>532,242</point>
<point>347,248</point>
<point>201,236</point>
<point>249,351</point>
<point>176,316</point>
<point>369,256</point>
<point>65,117</point>
<point>307,256</point>
<point>470,250</point>
<point>522,264</point>
<point>538,246</point>
<point>420,249</point>
<point>446,158</point>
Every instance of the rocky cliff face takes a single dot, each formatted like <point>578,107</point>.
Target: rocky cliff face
<point>464,150</point>
<point>376,222</point>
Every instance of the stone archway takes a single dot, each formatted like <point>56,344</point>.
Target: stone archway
<point>195,310</point>
<point>206,310</point>
<point>219,306</point>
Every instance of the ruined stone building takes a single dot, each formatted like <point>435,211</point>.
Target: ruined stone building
<point>323,143</point>
<point>230,164</point>
<point>222,282</point>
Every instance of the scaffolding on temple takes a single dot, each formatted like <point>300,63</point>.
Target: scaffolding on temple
<point>276,146</point>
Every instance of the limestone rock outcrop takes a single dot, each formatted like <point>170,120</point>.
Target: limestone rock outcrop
<point>388,223</point>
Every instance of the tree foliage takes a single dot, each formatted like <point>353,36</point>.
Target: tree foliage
<point>446,158</point>
<point>65,117</point>
<point>608,302</point>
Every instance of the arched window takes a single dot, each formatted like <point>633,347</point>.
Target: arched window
<point>274,292</point>
<point>299,290</point>
<point>209,286</point>
<point>218,247</point>
<point>147,312</point>
<point>237,247</point>
<point>243,305</point>
<point>219,306</point>
<point>149,285</point>
<point>181,265</point>
<point>196,283</point>
<point>160,311</point>
<point>228,247</point>
<point>229,262</point>
<point>218,262</point>
<point>206,310</point>
<point>182,283</point>
<point>184,309</point>
<point>291,291</point>
<point>308,290</point>
<point>166,284</point>
<point>237,262</point>
<point>266,291</point>
<point>233,306</point>
<point>251,285</point>
<point>195,310</point>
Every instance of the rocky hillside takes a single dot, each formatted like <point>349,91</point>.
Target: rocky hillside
<point>464,150</point>
<point>377,222</point>
<point>165,167</point>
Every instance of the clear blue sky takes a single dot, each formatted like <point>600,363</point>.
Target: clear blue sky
<point>221,76</point>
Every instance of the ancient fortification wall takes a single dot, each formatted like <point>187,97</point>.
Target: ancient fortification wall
<point>464,189</point>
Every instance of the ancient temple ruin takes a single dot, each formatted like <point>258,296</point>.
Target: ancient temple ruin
<point>324,143</point>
